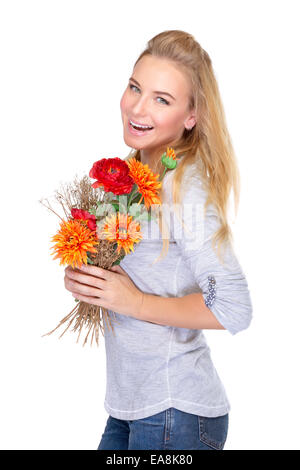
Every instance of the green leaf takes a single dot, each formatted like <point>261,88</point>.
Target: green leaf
<point>143,216</point>
<point>105,208</point>
<point>134,188</point>
<point>89,260</point>
<point>111,195</point>
<point>137,198</point>
<point>135,209</point>
<point>118,261</point>
<point>92,210</point>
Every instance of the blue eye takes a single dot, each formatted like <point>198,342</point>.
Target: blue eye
<point>166,102</point>
<point>133,86</point>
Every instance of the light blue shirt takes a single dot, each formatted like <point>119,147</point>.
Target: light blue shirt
<point>152,367</point>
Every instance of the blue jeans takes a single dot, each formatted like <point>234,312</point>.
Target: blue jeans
<point>171,429</point>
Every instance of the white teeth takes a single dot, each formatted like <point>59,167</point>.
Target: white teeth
<point>138,125</point>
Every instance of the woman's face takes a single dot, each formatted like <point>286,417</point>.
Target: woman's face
<point>144,102</point>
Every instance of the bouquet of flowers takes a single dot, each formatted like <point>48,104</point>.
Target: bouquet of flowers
<point>101,225</point>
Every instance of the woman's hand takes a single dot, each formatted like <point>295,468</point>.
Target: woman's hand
<point>112,289</point>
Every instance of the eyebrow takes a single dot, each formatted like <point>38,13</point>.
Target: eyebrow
<point>158,92</point>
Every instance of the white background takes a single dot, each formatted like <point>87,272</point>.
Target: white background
<point>64,67</point>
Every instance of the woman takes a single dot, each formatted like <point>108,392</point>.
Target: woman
<point>163,391</point>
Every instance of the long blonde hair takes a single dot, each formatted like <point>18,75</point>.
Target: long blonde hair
<point>208,144</point>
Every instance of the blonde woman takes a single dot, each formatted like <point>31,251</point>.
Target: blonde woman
<point>163,391</point>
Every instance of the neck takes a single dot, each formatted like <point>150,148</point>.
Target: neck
<point>153,159</point>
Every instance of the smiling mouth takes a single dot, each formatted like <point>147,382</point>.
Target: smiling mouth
<point>139,130</point>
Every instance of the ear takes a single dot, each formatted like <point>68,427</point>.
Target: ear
<point>190,122</point>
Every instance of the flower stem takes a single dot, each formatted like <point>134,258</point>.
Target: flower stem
<point>165,170</point>
<point>132,197</point>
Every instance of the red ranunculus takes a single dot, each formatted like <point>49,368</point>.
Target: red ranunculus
<point>85,215</point>
<point>113,175</point>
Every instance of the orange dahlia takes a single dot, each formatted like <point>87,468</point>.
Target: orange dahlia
<point>73,241</point>
<point>122,229</point>
<point>146,181</point>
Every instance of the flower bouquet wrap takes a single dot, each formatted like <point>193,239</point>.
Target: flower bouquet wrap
<point>101,225</point>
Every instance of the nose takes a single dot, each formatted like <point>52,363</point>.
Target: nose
<point>140,106</point>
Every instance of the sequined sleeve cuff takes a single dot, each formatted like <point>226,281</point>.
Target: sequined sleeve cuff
<point>210,297</point>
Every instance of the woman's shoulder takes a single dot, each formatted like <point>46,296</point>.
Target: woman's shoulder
<point>191,184</point>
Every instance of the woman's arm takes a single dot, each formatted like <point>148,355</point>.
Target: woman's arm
<point>188,311</point>
<point>227,299</point>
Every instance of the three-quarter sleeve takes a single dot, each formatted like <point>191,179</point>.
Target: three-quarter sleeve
<point>223,285</point>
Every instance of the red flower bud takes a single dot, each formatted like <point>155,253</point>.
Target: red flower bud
<point>85,215</point>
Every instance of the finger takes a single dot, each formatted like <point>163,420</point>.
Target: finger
<point>114,268</point>
<point>86,279</point>
<point>96,271</point>
<point>91,300</point>
<point>83,289</point>
<point>69,269</point>
<point>117,268</point>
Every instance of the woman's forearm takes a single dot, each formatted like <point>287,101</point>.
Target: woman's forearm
<point>188,311</point>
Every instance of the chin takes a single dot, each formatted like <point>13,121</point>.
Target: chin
<point>130,142</point>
